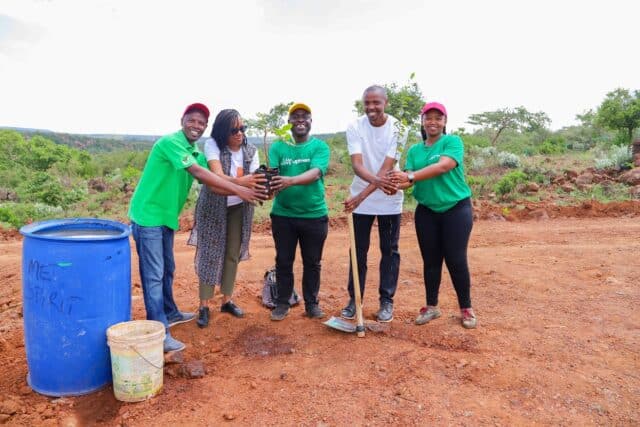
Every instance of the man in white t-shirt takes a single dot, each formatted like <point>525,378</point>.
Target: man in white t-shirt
<point>375,142</point>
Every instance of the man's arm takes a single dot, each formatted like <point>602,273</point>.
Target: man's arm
<point>249,180</point>
<point>379,181</point>
<point>444,165</point>
<point>223,187</point>
<point>279,183</point>
<point>389,187</point>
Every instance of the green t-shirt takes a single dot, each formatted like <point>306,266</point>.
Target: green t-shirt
<point>165,183</point>
<point>442,192</point>
<point>300,201</point>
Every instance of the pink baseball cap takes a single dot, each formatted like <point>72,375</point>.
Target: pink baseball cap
<point>199,107</point>
<point>433,106</point>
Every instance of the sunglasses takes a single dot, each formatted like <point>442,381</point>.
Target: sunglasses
<point>234,131</point>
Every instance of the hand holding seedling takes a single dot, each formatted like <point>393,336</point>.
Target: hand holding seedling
<point>251,195</point>
<point>279,183</point>
<point>255,181</point>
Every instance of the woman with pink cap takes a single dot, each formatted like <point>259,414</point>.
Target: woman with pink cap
<point>444,217</point>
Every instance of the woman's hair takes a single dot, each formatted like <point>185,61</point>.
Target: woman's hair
<point>423,132</point>
<point>221,130</point>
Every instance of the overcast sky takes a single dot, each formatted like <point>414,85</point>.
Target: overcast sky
<point>127,66</point>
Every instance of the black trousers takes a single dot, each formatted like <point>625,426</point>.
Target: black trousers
<point>311,233</point>
<point>445,236</point>
<point>388,234</point>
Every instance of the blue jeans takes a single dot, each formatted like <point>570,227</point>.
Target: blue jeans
<point>389,234</point>
<point>155,253</point>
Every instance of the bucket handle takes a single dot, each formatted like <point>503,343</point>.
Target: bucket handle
<point>144,358</point>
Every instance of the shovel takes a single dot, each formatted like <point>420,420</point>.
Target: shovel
<point>341,324</point>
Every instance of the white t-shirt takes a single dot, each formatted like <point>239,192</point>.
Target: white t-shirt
<point>212,152</point>
<point>375,144</point>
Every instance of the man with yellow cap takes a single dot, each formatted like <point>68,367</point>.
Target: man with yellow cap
<point>299,213</point>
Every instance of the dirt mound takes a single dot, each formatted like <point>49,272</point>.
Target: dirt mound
<point>259,341</point>
<point>522,211</point>
<point>6,235</point>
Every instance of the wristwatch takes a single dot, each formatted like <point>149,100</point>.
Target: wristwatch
<point>410,177</point>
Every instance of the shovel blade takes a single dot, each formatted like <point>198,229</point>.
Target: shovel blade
<point>340,324</point>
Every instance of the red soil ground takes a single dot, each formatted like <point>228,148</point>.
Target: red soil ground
<point>557,341</point>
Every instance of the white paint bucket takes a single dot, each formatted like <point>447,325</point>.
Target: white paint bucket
<point>137,359</point>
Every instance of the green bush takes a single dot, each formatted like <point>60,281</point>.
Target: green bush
<point>517,143</point>
<point>478,184</point>
<point>476,141</point>
<point>553,145</point>
<point>615,157</point>
<point>8,216</point>
<point>621,139</point>
<point>537,174</point>
<point>480,157</point>
<point>48,189</point>
<point>19,214</point>
<point>614,192</point>
<point>476,163</point>
<point>508,160</point>
<point>508,182</point>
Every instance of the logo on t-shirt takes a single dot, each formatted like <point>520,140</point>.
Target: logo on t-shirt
<point>289,161</point>
<point>185,159</point>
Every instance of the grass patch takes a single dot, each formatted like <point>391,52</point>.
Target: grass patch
<point>613,192</point>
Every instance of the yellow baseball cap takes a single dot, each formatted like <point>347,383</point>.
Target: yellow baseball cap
<point>299,106</point>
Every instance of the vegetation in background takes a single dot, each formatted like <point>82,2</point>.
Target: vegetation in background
<point>615,157</point>
<point>266,124</point>
<point>620,111</point>
<point>46,175</point>
<point>518,119</point>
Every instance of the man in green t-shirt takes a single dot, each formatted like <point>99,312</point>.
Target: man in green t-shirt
<point>173,163</point>
<point>299,212</point>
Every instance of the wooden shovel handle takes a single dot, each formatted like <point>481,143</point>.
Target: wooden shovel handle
<point>356,278</point>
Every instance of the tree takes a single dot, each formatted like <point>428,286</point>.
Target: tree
<point>620,110</point>
<point>587,118</point>
<point>268,123</point>
<point>586,134</point>
<point>519,119</point>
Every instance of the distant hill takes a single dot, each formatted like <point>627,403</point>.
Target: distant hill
<point>101,143</point>
<point>92,143</point>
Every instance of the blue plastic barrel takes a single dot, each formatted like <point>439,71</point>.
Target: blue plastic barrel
<point>76,282</point>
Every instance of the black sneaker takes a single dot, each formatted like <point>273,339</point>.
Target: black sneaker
<point>314,311</point>
<point>280,312</point>
<point>230,307</point>
<point>385,314</point>
<point>203,317</point>
<point>349,312</point>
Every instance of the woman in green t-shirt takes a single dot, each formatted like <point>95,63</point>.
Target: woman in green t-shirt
<point>444,217</point>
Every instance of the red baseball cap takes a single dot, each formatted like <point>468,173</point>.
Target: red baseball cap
<point>433,106</point>
<point>197,106</point>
